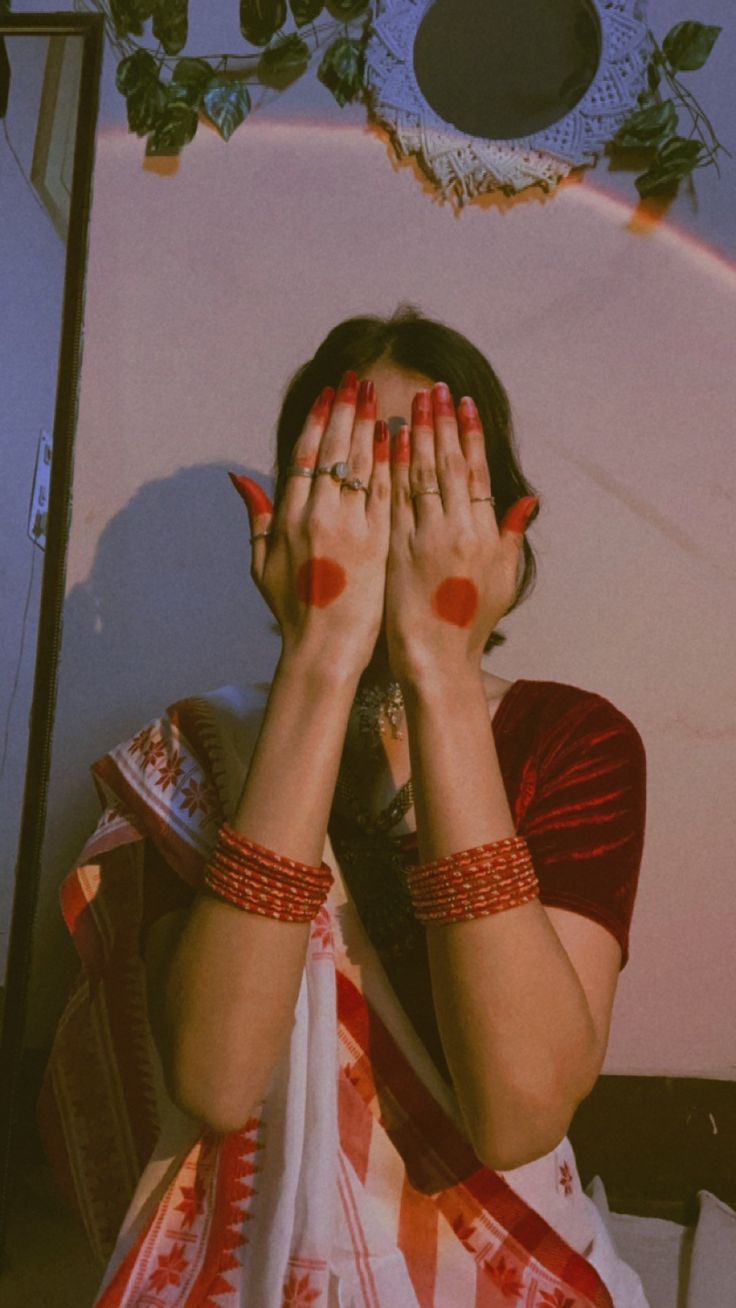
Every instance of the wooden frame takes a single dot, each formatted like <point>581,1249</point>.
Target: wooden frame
<point>90,27</point>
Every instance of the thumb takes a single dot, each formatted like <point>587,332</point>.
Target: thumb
<point>517,518</point>
<point>260,513</point>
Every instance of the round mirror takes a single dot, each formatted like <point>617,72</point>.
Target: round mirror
<point>503,71</point>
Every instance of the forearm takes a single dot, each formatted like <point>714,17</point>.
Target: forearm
<point>514,1020</point>
<point>235,976</point>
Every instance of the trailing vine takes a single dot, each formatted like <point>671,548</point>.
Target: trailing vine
<point>167,95</point>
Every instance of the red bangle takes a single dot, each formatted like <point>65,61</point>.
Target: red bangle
<point>258,880</point>
<point>474,882</point>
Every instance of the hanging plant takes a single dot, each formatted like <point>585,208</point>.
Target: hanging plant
<point>167,95</point>
<point>653,130</point>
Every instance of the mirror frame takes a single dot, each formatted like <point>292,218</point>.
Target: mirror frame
<point>464,166</point>
<point>90,28</point>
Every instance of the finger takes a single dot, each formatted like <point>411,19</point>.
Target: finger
<point>304,455</point>
<point>402,512</point>
<point>452,472</point>
<point>473,445</point>
<point>360,456</point>
<point>260,517</point>
<point>378,500</point>
<point>422,467</point>
<point>518,517</point>
<point>334,447</point>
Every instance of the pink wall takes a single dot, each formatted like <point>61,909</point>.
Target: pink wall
<point>209,285</point>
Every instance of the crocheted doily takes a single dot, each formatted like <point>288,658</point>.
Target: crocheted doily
<point>465,166</point>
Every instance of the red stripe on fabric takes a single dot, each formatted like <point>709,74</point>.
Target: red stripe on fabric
<point>182,857</point>
<point>233,1165</point>
<point>79,918</point>
<point>357,1236</point>
<point>417,1240</point>
<point>428,1132</point>
<point>355,1126</point>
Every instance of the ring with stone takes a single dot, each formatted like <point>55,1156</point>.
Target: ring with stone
<point>338,471</point>
<point>354,483</point>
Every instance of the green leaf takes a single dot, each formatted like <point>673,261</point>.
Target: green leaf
<point>687,45</point>
<point>190,79</point>
<point>647,126</point>
<point>134,71</point>
<point>305,11</point>
<point>341,69</point>
<point>227,104</point>
<point>673,161</point>
<point>174,129</point>
<point>261,19</point>
<point>283,61</point>
<point>143,9</point>
<point>346,9</point>
<point>146,103</point>
<point>125,17</point>
<point>171,26</point>
<point>654,76</point>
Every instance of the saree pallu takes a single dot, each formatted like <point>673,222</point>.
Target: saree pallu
<point>354,1184</point>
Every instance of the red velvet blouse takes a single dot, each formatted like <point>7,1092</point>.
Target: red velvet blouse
<point>574,770</point>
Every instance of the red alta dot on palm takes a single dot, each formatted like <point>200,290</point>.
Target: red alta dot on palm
<point>456,601</point>
<point>320,581</point>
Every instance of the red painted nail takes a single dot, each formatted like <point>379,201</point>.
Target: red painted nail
<point>366,400</point>
<point>401,452</point>
<point>255,498</point>
<point>517,518</point>
<point>348,388</point>
<point>468,414</point>
<point>442,401</point>
<point>382,446</point>
<point>322,405</point>
<point>421,409</point>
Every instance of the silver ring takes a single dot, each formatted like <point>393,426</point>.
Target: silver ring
<point>354,483</point>
<point>296,470</point>
<point>427,490</point>
<point>257,534</point>
<point>338,471</point>
<point>475,499</point>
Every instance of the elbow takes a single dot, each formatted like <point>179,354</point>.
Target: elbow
<point>530,1130</point>
<point>214,1114</point>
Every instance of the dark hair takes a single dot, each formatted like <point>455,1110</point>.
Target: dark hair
<point>424,345</point>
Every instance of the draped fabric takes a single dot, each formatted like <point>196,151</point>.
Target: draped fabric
<point>354,1183</point>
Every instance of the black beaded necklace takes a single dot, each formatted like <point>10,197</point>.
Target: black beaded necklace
<point>374,866</point>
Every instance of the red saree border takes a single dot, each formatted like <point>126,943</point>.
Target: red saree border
<point>432,1129</point>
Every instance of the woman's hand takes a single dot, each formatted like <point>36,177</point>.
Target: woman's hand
<point>452,572</point>
<point>322,568</point>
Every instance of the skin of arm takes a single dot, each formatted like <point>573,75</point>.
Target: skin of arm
<point>234,978</point>
<point>522,997</point>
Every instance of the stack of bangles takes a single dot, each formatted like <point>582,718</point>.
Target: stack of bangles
<point>473,883</point>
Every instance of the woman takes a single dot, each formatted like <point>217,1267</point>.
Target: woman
<point>380,921</point>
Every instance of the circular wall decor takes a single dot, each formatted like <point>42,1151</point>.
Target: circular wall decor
<point>493,96</point>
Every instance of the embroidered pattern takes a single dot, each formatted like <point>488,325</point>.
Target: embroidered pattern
<point>298,1293</point>
<point>566,1178</point>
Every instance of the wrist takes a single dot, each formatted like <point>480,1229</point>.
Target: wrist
<point>318,667</point>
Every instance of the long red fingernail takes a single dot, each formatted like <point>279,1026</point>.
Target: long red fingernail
<point>442,401</point>
<point>401,452</point>
<point>322,405</point>
<point>366,400</point>
<point>421,409</point>
<point>517,518</point>
<point>256,499</point>
<point>468,414</point>
<point>381,447</point>
<point>348,388</point>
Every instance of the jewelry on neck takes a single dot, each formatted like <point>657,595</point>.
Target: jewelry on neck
<point>376,705</point>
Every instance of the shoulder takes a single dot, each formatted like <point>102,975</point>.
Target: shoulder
<point>559,713</point>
